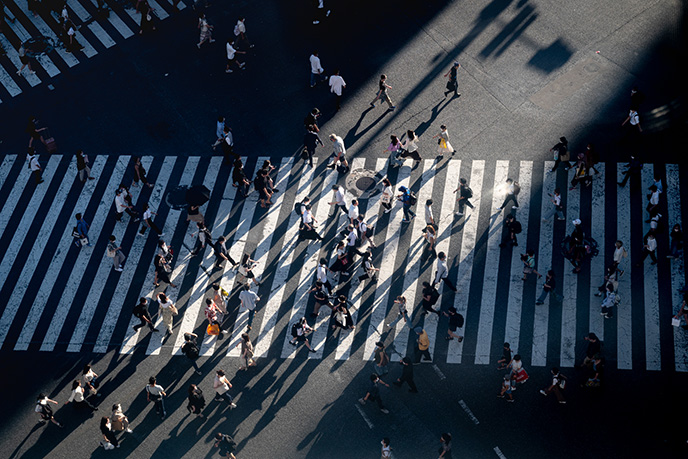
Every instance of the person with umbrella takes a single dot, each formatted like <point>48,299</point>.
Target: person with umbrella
<point>196,196</point>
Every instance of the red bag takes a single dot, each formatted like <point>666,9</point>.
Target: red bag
<point>521,376</point>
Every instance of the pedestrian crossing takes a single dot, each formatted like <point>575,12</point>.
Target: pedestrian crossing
<point>57,296</point>
<point>96,32</point>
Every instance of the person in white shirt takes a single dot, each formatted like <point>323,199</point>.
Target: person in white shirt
<point>317,72</point>
<point>556,208</point>
<point>429,218</point>
<point>442,272</point>
<point>248,300</point>
<point>339,200</point>
<point>339,153</point>
<point>650,248</point>
<point>387,195</point>
<point>206,31</point>
<point>365,232</point>
<point>219,131</point>
<point>231,57</point>
<point>35,166</point>
<point>148,221</point>
<point>634,119</point>
<point>240,32</point>
<point>78,398</point>
<point>321,275</point>
<point>511,193</point>
<point>653,205</point>
<point>222,385</point>
<point>167,311</point>
<point>386,450</point>
<point>336,85</point>
<point>308,225</point>
<point>619,254</point>
<point>155,393</point>
<point>122,206</point>
<point>353,212</point>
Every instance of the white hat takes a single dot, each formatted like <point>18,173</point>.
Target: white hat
<point>577,221</point>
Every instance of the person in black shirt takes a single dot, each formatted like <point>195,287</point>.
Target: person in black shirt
<point>382,93</point>
<point>455,322</point>
<point>239,178</point>
<point>547,287</point>
<point>593,349</point>
<point>633,168</point>
<point>261,185</point>
<point>465,193</point>
<point>226,444</point>
<point>311,140</point>
<point>452,84</point>
<point>312,120</point>
<point>321,298</point>
<point>430,297</point>
<point>512,227</point>
<point>374,393</point>
<point>140,311</point>
<point>562,153</point>
<point>406,375</point>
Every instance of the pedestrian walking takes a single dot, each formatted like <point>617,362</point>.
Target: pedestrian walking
<point>386,452</point>
<point>338,200</point>
<point>373,393</point>
<point>222,253</point>
<point>512,190</point>
<point>443,145</point>
<point>411,147</point>
<point>430,238</point>
<point>140,311</point>
<point>190,350</point>
<point>321,297</point>
<point>442,272</point>
<point>140,173</point>
<point>422,346</point>
<point>653,202</point>
<point>114,251</point>
<point>456,321</point>
<point>558,384</point>
<point>649,249</point>
<point>430,297</point>
<point>194,214</point>
<point>156,394</point>
<point>240,33</point>
<point>321,275</point>
<point>89,380</point>
<point>610,300</point>
<point>82,167</point>
<point>406,375</point>
<point>611,276</point>
<point>203,238</point>
<point>34,132</point>
<point>248,300</point>
<point>353,212</point>
<point>445,451</point>
<point>227,145</point>
<point>317,72</point>
<point>619,254</point>
<point>366,232</point>
<point>341,317</point>
<point>222,385</point>
<point>167,310</point>
<point>634,120</point>
<point>382,93</point>
<point>453,83</point>
<point>246,351</point>
<point>561,154</point>
<point>220,296</point>
<point>507,388</point>
<point>77,396</point>
<point>206,30</point>
<point>148,222</point>
<point>45,411</point>
<point>380,359</point>
<point>147,24</point>
<point>298,333</point>
<point>512,227</point>
<point>387,198</point>
<point>239,179</point>
<point>109,438</point>
<point>402,313</point>
<point>407,199</point>
<point>311,139</point>
<point>506,357</point>
<point>219,131</point>
<point>80,232</point>
<point>232,58</point>
<point>342,263</point>
<point>337,84</point>
<point>591,158</point>
<point>593,348</point>
<point>162,271</point>
<point>308,225</point>
<point>226,444</point>
<point>312,119</point>
<point>429,217</point>
<point>632,168</point>
<point>339,153</point>
<point>547,288</point>
<point>121,206</point>
<point>557,208</point>
<point>196,400</point>
<point>24,59</point>
<point>528,260</point>
<point>262,186</point>
<point>120,423</point>
<point>246,269</point>
<point>35,166</point>
<point>676,237</point>
<point>465,193</point>
<point>394,150</point>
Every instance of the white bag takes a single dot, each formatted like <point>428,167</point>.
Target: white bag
<point>106,445</point>
<point>675,321</point>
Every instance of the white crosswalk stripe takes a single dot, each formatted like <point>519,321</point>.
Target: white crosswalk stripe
<point>287,271</point>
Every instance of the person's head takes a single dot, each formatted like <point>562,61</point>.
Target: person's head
<point>221,239</point>
<point>333,137</point>
<point>610,287</point>
<point>618,244</point>
<point>441,256</point>
<point>350,227</point>
<point>336,72</point>
<point>443,127</point>
<point>386,182</point>
<point>335,187</point>
<point>517,357</point>
<point>226,128</point>
<point>306,200</point>
<point>446,437</point>
<point>308,207</point>
<point>319,284</point>
<point>192,388</point>
<point>677,228</point>
<point>555,370</point>
<point>152,380</point>
<point>430,229</point>
<point>394,139</point>
<point>76,384</point>
<point>143,300</point>
<point>463,181</point>
<point>507,346</point>
<point>104,421</point>
<point>410,134</point>
<point>530,252</point>
<point>41,396</point>
<point>81,153</point>
<point>78,216</point>
<point>218,437</point>
<point>247,287</point>
<point>315,112</point>
<point>451,310</point>
<point>428,202</point>
<point>112,238</point>
<point>323,261</point>
<point>187,336</point>
<point>418,330</point>
<point>385,442</point>
<point>507,376</point>
<point>315,53</point>
<point>220,373</point>
<point>426,284</point>
<point>241,19</point>
<point>87,368</point>
<point>340,244</point>
<point>361,217</point>
<point>402,189</point>
<point>563,140</point>
<point>650,236</point>
<point>456,64</point>
<point>208,301</point>
<point>216,287</point>
<point>354,202</point>
<point>162,297</point>
<point>366,255</point>
<point>380,344</point>
<point>509,181</point>
<point>653,188</point>
<point>245,337</point>
<point>401,299</point>
<point>550,273</point>
<point>374,377</point>
<point>592,336</point>
<point>383,77</point>
<point>116,408</point>
<point>221,119</point>
<point>406,361</point>
<point>311,128</point>
<point>302,320</point>
<point>576,222</point>
<point>145,206</point>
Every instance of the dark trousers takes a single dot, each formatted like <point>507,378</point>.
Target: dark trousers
<point>378,400</point>
<point>152,225</point>
<point>84,403</point>
<point>419,354</point>
<point>310,151</point>
<point>219,261</point>
<point>627,175</point>
<point>38,176</point>
<point>198,247</point>
<point>649,253</point>
<point>112,438</point>
<point>509,197</point>
<point>118,215</point>
<point>448,282</point>
<point>339,207</point>
<point>463,203</point>
<point>144,323</point>
<point>412,385</point>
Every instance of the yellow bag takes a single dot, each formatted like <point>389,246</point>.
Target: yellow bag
<point>213,329</point>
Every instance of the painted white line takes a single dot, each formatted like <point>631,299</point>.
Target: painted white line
<point>267,327</point>
<point>126,277</point>
<point>438,372</point>
<point>598,267</point>
<point>6,166</point>
<point>93,26</point>
<point>239,238</point>
<point>44,29</point>
<point>13,55</point>
<point>102,276</point>
<point>148,291</point>
<point>159,11</point>
<point>21,182</point>
<point>365,417</point>
<point>417,248</point>
<point>499,453</point>
<point>489,296</point>
<point>468,411</point>
<point>180,271</point>
<point>653,353</point>
<point>624,341</point>
<point>541,315</point>
<point>467,254</point>
<point>378,311</point>
<point>9,83</point>
<point>677,266</point>
<point>512,330</point>
<point>23,35</point>
<point>78,269</point>
<point>346,338</point>
<point>117,22</point>
<point>570,288</point>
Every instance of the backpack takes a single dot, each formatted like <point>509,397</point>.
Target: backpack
<point>516,227</point>
<point>460,320</point>
<point>110,252</point>
<point>190,350</point>
<point>342,169</point>
<point>295,329</point>
<point>237,32</point>
<point>517,188</point>
<point>297,208</point>
<point>412,198</point>
<point>469,192</point>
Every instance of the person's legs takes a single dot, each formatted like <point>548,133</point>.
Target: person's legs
<point>542,297</point>
<point>251,315</point>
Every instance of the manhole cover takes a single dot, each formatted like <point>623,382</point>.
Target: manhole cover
<point>365,184</point>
